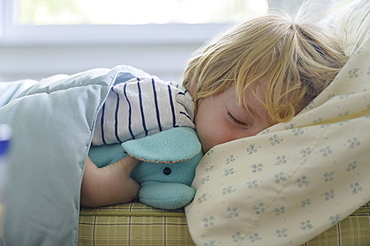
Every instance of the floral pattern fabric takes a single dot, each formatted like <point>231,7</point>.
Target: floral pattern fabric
<point>294,180</point>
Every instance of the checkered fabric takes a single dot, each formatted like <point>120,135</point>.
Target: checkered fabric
<point>133,224</point>
<point>138,224</point>
<point>352,231</point>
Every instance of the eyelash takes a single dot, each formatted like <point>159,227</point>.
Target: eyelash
<point>236,120</point>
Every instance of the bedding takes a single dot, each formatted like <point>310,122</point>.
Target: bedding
<point>137,224</point>
<point>52,121</point>
<point>133,224</point>
<point>294,180</point>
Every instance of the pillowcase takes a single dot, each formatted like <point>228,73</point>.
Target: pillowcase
<point>294,180</point>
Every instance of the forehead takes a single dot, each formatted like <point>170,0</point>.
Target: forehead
<point>250,102</point>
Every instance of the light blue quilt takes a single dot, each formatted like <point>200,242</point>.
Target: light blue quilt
<point>52,120</point>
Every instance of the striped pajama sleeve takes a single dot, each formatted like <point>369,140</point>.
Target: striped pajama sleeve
<point>140,107</point>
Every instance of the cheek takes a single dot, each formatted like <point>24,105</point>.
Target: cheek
<point>205,139</point>
<point>205,131</point>
<point>209,123</point>
<point>202,132</point>
<point>210,134</point>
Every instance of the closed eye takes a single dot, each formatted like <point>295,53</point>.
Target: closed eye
<point>236,121</point>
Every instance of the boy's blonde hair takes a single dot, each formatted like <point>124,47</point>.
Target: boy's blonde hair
<point>294,62</point>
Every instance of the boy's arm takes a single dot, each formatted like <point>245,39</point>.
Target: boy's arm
<point>109,185</point>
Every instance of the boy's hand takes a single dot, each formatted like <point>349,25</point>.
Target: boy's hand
<point>109,185</point>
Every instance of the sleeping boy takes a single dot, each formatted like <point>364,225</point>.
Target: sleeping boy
<point>256,74</point>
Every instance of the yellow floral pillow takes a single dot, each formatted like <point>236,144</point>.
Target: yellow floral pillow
<point>294,180</point>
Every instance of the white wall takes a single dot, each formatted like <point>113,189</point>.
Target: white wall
<point>167,61</point>
<point>40,51</point>
<point>27,54</point>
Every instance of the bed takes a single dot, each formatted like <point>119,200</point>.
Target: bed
<point>138,224</point>
<point>320,198</point>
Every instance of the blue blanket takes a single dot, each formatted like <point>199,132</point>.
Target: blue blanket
<point>53,120</point>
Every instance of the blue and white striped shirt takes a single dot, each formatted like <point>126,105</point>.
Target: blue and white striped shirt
<point>140,107</point>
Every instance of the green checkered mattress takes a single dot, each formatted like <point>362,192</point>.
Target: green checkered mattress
<point>138,224</point>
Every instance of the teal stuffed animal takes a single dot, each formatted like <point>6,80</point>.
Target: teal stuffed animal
<point>167,168</point>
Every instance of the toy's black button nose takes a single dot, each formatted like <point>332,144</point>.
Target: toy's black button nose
<point>167,171</point>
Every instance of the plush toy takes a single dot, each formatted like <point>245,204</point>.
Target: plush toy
<point>167,168</point>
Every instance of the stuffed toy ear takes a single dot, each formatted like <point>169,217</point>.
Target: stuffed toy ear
<point>172,145</point>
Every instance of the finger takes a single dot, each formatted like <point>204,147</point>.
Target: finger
<point>129,162</point>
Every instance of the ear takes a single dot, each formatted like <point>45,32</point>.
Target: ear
<point>192,88</point>
<point>173,145</point>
